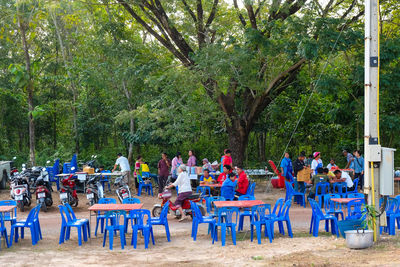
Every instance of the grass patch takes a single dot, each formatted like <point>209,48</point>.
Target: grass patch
<point>257,258</point>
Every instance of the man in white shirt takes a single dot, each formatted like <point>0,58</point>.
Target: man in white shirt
<point>124,166</point>
<point>344,177</point>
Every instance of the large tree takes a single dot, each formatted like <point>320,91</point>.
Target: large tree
<point>244,53</point>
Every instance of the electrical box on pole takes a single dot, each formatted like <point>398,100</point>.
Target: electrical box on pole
<point>387,172</point>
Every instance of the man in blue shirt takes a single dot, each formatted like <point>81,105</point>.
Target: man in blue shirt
<point>228,187</point>
<point>287,167</point>
<point>359,167</point>
<point>349,158</point>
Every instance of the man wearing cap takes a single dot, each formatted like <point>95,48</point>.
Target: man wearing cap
<point>316,163</point>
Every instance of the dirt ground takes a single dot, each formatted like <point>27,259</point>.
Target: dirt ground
<point>301,250</point>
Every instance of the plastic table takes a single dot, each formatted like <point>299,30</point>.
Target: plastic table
<point>238,204</point>
<point>343,200</point>
<point>110,207</point>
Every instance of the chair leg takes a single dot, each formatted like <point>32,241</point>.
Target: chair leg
<point>316,226</point>
<point>84,231</point>
<point>104,238</point>
<point>258,229</point>
<point>251,232</point>
<point>88,228</point>
<point>122,237</point>
<point>167,231</point>
<point>79,228</point>
<point>289,228</point>
<point>233,233</point>
<point>152,235</point>
<point>223,234</point>
<point>62,234</point>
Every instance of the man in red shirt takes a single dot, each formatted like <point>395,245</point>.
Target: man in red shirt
<point>222,176</point>
<point>243,182</point>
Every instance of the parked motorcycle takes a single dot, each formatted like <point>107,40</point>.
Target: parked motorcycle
<point>43,190</point>
<point>166,195</point>
<point>122,190</point>
<point>94,190</point>
<point>20,191</point>
<point>68,190</point>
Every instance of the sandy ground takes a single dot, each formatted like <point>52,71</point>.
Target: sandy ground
<point>302,250</point>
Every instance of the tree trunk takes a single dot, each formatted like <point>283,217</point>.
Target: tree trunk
<point>261,146</point>
<point>22,27</point>
<point>131,121</point>
<point>238,140</point>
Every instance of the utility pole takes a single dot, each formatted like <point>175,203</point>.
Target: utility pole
<point>372,147</point>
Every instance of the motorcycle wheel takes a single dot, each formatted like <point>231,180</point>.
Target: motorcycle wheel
<point>29,201</point>
<point>21,206</point>
<point>44,207</point>
<point>91,203</point>
<point>75,204</point>
<point>178,215</point>
<point>156,211</point>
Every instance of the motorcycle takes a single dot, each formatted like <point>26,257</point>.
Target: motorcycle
<point>122,190</point>
<point>43,190</point>
<point>94,190</point>
<point>166,195</point>
<point>68,190</point>
<point>20,192</point>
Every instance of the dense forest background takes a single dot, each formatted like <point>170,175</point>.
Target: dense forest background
<point>142,77</point>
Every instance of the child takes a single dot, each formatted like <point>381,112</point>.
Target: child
<point>228,187</point>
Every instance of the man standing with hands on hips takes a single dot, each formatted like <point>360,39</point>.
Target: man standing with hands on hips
<point>125,168</point>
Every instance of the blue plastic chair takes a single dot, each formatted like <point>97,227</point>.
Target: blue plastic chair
<point>397,215</point>
<point>333,208</point>
<point>7,217</point>
<point>355,209</point>
<point>67,222</point>
<point>74,219</point>
<point>28,223</point>
<point>129,200</point>
<point>3,230</point>
<point>317,216</point>
<point>277,208</point>
<point>204,191</point>
<point>209,201</point>
<point>340,188</point>
<point>101,217</point>
<point>355,190</point>
<point>250,189</point>
<point>146,228</point>
<point>198,218</point>
<point>355,195</point>
<point>283,216</point>
<point>226,221</point>
<point>105,179</point>
<point>246,211</point>
<point>321,190</point>
<point>299,197</point>
<point>37,223</point>
<point>391,210</point>
<point>147,186</point>
<point>258,219</point>
<point>112,226</point>
<point>162,220</point>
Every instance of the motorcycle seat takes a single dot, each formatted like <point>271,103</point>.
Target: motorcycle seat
<point>194,196</point>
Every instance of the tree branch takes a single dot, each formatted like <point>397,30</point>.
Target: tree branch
<point>252,17</point>
<point>189,11</point>
<point>242,20</point>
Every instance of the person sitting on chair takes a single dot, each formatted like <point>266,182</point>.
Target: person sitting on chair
<point>343,177</point>
<point>222,177</point>
<point>206,178</point>
<point>185,189</point>
<point>320,177</point>
<point>243,182</point>
<point>228,187</point>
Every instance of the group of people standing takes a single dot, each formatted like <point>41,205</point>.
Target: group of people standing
<point>319,173</point>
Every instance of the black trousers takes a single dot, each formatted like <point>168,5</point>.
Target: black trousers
<point>162,182</point>
<point>360,179</point>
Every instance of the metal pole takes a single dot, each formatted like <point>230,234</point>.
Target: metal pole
<point>371,113</point>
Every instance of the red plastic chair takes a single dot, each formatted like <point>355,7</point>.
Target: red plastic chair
<point>281,180</point>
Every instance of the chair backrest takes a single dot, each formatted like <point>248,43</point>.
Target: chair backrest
<point>355,182</point>
<point>131,200</point>
<point>315,208</point>
<point>74,161</point>
<point>31,215</point>
<point>340,187</point>
<point>142,217</point>
<point>106,177</point>
<point>204,190</point>
<point>107,200</point>
<point>329,205</point>
<point>114,217</point>
<point>284,212</point>
<point>226,215</point>
<point>278,206</point>
<point>247,197</point>
<point>250,189</point>
<point>9,203</point>
<point>355,208</point>
<point>63,214</point>
<point>391,204</point>
<point>70,211</point>
<point>398,201</point>
<point>56,167</point>
<point>322,188</point>
<point>289,190</point>
<point>140,179</point>
<point>196,212</point>
<point>355,195</point>
<point>164,212</point>
<point>259,212</point>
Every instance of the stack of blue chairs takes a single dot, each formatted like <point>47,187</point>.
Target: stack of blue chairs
<point>31,222</point>
<point>317,216</point>
<point>68,165</point>
<point>258,219</point>
<point>226,222</point>
<point>392,208</point>
<point>145,227</point>
<point>53,171</point>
